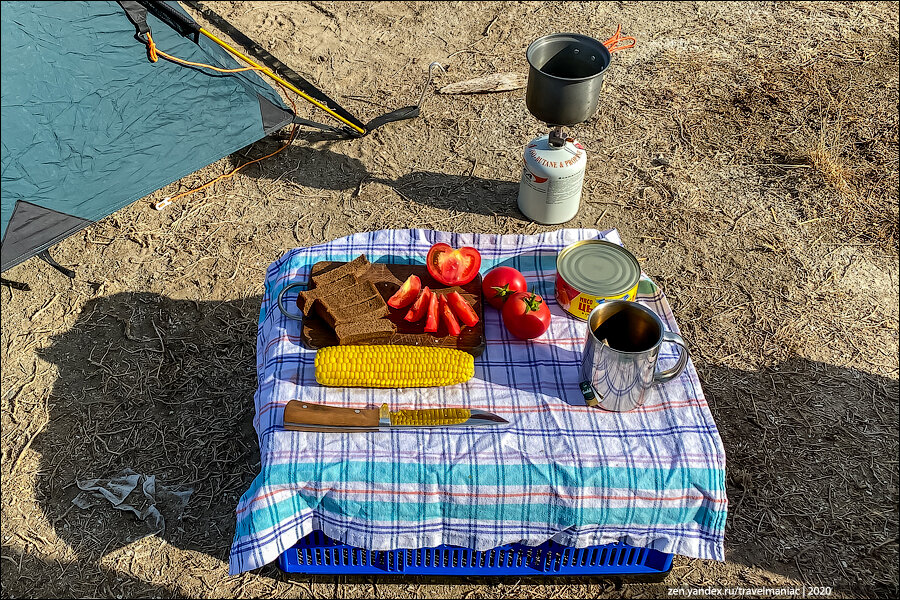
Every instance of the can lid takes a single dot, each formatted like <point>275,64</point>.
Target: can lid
<point>598,268</point>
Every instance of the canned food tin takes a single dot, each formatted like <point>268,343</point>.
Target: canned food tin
<point>591,272</point>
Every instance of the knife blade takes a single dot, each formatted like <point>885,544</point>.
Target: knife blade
<point>306,416</point>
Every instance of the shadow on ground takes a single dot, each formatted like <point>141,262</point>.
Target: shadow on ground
<point>165,387</point>
<point>322,168</point>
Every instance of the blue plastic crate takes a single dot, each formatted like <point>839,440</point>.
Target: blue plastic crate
<point>318,554</point>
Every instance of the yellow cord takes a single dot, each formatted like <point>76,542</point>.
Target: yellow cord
<point>283,82</point>
<point>169,199</point>
<point>154,51</point>
<point>154,54</point>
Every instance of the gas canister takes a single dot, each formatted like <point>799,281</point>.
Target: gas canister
<point>552,177</point>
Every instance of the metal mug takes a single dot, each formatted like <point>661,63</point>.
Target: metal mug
<point>621,352</point>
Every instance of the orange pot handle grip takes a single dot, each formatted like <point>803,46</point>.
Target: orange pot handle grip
<point>612,44</point>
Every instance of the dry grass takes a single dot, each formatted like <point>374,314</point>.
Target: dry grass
<point>848,166</point>
<point>826,158</point>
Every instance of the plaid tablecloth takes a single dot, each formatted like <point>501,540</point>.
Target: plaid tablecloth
<point>653,477</point>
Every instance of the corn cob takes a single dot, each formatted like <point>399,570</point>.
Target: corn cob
<point>389,366</point>
<point>430,417</point>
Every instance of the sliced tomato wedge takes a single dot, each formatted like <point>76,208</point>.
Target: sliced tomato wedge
<point>431,322</point>
<point>447,316</point>
<point>420,307</point>
<point>407,293</point>
<point>463,309</point>
<point>451,266</point>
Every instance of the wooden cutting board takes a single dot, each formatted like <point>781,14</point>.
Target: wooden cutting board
<point>387,278</point>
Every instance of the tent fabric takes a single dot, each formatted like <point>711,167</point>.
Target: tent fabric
<point>89,124</point>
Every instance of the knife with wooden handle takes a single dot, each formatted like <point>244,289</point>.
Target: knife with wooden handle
<point>306,416</point>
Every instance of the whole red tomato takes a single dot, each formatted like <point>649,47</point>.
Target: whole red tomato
<point>526,315</point>
<point>500,284</point>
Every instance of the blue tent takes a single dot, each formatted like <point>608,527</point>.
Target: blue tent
<point>89,124</point>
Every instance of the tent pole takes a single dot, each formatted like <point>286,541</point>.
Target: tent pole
<point>280,80</point>
<point>187,25</point>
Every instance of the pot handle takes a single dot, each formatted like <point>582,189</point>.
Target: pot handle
<point>284,311</point>
<point>612,44</point>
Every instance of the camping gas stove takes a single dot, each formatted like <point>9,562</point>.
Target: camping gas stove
<point>564,80</point>
<point>552,178</point>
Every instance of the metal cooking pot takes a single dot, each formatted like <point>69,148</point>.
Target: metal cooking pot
<point>564,79</point>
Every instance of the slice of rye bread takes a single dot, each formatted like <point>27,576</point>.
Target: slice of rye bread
<point>361,300</point>
<point>368,309</point>
<point>307,298</point>
<point>361,331</point>
<point>355,267</point>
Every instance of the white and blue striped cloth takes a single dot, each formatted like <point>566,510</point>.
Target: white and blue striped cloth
<point>653,477</point>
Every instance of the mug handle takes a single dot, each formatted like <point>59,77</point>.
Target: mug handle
<point>669,374</point>
<point>281,302</point>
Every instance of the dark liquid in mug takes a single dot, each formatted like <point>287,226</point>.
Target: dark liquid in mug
<point>628,332</point>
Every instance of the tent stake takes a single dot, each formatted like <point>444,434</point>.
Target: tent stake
<point>44,255</point>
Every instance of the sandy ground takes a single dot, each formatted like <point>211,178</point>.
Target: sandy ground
<point>748,155</point>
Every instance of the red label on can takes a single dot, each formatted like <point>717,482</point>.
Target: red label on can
<point>565,293</point>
